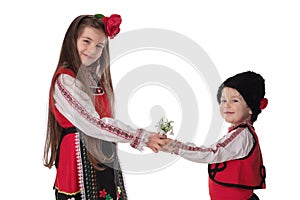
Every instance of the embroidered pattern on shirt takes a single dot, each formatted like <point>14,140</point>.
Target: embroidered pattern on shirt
<point>214,150</point>
<point>137,139</point>
<point>95,121</point>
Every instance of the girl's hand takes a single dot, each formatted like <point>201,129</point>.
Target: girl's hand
<point>156,141</point>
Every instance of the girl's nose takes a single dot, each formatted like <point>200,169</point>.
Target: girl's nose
<point>91,50</point>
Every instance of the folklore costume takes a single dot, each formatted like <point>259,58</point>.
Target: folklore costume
<point>236,165</point>
<point>81,119</point>
<point>235,162</point>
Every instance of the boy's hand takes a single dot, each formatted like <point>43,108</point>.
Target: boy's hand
<point>169,145</point>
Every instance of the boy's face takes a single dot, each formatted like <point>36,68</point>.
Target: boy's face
<point>90,44</point>
<point>233,107</point>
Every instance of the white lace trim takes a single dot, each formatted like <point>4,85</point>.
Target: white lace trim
<point>79,165</point>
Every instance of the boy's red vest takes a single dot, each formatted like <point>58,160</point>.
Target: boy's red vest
<point>248,172</point>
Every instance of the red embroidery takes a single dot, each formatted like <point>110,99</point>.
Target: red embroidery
<point>97,122</point>
<point>103,193</point>
<point>136,141</point>
<point>222,144</point>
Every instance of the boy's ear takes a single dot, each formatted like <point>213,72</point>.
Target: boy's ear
<point>250,111</point>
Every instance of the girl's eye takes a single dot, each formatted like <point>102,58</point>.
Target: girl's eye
<point>235,100</point>
<point>223,101</point>
<point>86,41</point>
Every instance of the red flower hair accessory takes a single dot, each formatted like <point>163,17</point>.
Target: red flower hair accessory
<point>112,24</point>
<point>263,103</point>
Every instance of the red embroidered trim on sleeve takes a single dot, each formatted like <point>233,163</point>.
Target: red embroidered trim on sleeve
<point>137,139</point>
<point>222,144</point>
<point>93,120</point>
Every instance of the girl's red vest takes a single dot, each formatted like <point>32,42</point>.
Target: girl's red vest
<point>63,122</point>
<point>248,172</point>
<point>100,100</point>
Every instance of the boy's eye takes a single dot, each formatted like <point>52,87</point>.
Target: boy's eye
<point>99,46</point>
<point>223,101</point>
<point>235,100</point>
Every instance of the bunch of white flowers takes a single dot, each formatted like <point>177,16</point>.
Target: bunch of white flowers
<point>164,126</point>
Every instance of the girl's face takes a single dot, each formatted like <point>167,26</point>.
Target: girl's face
<point>90,45</point>
<point>233,107</point>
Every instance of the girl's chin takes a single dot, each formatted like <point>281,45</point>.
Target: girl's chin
<point>87,63</point>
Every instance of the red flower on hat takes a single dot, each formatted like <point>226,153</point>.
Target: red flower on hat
<point>112,25</point>
<point>263,103</point>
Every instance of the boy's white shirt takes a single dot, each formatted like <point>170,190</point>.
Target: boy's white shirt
<point>73,86</point>
<point>239,147</point>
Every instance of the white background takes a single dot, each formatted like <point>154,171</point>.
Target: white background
<point>237,35</point>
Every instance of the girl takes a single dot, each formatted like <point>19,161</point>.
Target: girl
<point>82,132</point>
<point>235,161</point>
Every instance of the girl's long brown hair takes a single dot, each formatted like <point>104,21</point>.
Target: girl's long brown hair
<point>69,55</point>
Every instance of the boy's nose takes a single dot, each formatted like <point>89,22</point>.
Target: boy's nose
<point>227,105</point>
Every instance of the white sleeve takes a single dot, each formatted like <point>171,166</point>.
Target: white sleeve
<point>234,145</point>
<point>74,104</point>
